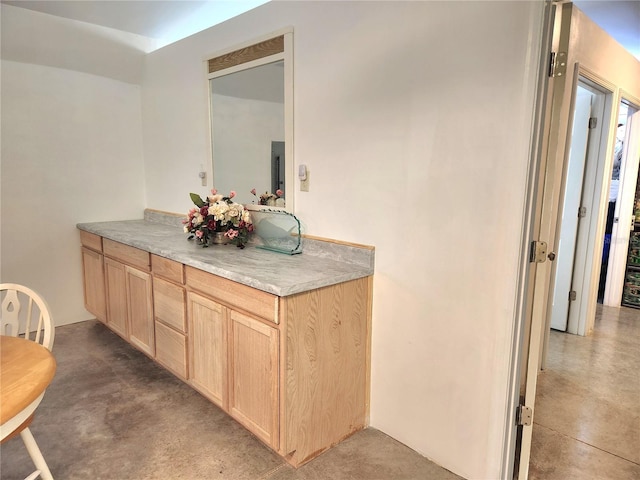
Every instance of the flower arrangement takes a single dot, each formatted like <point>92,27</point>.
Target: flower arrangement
<point>271,199</point>
<point>218,214</point>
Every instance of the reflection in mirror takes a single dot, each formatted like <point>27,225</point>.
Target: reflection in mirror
<point>247,122</point>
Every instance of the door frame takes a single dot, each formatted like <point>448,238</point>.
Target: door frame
<point>595,193</point>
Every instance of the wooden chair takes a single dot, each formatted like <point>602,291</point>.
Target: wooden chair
<point>25,313</point>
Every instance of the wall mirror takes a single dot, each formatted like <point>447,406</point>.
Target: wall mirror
<point>251,115</point>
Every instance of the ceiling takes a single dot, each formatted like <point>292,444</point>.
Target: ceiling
<point>620,19</point>
<point>166,21</point>
<point>170,20</point>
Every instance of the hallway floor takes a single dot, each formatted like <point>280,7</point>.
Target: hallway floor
<point>587,412</point>
<point>113,414</point>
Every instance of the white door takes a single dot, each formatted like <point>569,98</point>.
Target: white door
<point>572,199</point>
<point>554,129</point>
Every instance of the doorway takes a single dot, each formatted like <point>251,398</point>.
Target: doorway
<point>624,214</point>
<point>573,303</point>
<point>277,167</point>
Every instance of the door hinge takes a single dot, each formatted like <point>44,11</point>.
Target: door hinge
<point>593,122</point>
<point>524,415</point>
<point>573,295</point>
<point>557,64</point>
<point>582,212</point>
<point>538,252</point>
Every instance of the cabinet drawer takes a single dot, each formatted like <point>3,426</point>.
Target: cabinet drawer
<point>169,304</point>
<point>125,253</point>
<point>165,268</point>
<point>91,240</point>
<point>171,350</point>
<point>246,298</point>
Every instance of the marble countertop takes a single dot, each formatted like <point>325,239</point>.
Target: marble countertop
<point>280,274</point>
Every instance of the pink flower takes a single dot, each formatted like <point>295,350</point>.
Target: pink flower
<point>199,233</point>
<point>279,192</point>
<point>231,233</point>
<point>213,191</point>
<point>253,191</point>
<point>232,193</point>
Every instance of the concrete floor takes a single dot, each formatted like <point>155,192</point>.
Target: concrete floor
<point>587,415</point>
<point>113,414</point>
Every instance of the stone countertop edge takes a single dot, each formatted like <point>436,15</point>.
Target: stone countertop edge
<point>319,265</point>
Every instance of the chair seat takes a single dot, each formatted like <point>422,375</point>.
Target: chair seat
<point>26,338</point>
<point>27,370</point>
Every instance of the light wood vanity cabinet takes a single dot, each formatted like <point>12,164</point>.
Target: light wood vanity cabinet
<point>296,366</point>
<point>130,304</point>
<point>118,289</point>
<point>293,370</point>
<point>235,355</point>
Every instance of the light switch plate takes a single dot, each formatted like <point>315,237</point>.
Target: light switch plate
<point>304,184</point>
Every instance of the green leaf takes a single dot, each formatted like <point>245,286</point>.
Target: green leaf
<point>195,198</point>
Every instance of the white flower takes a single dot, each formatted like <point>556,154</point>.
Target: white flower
<point>218,210</point>
<point>215,198</point>
<point>233,210</point>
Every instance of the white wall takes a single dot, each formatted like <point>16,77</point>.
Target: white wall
<point>414,119</point>
<point>71,151</point>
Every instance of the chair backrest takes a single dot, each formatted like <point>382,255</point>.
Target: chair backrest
<point>23,311</point>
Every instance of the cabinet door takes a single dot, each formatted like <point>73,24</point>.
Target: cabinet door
<point>93,281</point>
<point>253,377</point>
<point>208,348</point>
<point>140,310</point>
<point>116,289</point>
